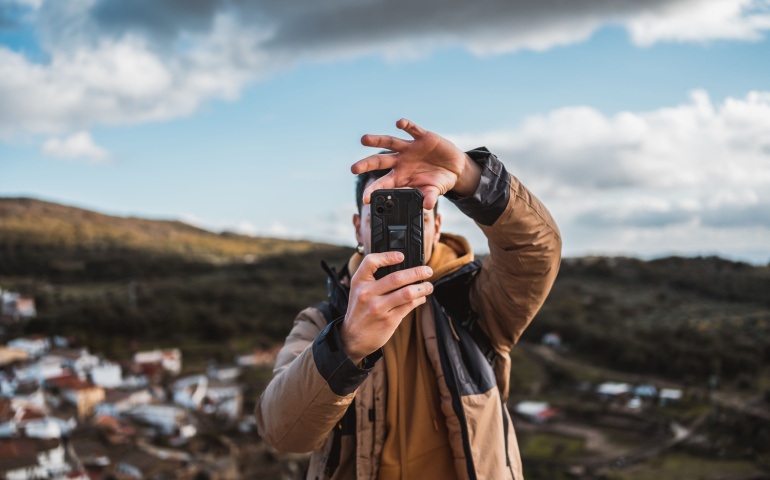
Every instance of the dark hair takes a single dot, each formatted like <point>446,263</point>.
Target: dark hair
<point>363,178</point>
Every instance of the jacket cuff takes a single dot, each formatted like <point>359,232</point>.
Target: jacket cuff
<point>339,371</point>
<point>491,197</point>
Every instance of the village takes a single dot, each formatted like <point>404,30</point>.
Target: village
<point>68,413</point>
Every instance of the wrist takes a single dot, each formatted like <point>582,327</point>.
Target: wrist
<point>469,178</point>
<point>334,365</point>
<point>349,350</point>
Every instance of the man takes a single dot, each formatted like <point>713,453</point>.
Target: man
<point>401,379</point>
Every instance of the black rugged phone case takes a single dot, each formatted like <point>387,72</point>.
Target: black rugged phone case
<point>396,224</point>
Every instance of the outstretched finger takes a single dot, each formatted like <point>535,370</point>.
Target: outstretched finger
<point>379,161</point>
<point>386,182</point>
<point>411,128</point>
<point>374,261</point>
<point>385,141</point>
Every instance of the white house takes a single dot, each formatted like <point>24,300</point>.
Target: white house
<point>7,385</point>
<point>167,419</point>
<point>79,360</point>
<point>668,396</point>
<point>33,345</point>
<point>170,360</point>
<point>42,428</point>
<point>538,412</point>
<point>190,391</point>
<point>552,340</point>
<point>613,389</point>
<point>16,305</point>
<point>646,391</point>
<point>119,401</point>
<point>107,374</point>
<point>133,382</point>
<point>8,429</point>
<point>23,418</point>
<point>209,395</point>
<point>45,368</point>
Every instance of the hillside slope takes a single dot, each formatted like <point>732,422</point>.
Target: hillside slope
<point>58,242</point>
<point>28,222</point>
<point>115,281</point>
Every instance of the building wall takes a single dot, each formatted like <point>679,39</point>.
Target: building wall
<point>87,399</point>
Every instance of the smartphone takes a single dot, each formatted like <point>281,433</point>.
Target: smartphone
<point>397,225</point>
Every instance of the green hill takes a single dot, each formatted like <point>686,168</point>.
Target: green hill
<point>116,283</point>
<point>676,317</point>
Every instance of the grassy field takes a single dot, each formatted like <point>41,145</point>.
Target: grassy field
<point>527,374</point>
<point>680,466</point>
<point>550,446</point>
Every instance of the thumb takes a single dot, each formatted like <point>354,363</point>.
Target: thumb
<point>431,197</point>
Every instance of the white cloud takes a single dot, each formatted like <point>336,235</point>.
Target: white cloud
<point>114,62</point>
<point>34,4</point>
<point>693,177</point>
<point>121,81</point>
<point>79,145</point>
<point>700,21</point>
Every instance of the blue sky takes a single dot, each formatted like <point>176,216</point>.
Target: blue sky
<point>645,130</point>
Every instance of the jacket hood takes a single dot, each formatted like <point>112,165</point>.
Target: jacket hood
<point>449,255</point>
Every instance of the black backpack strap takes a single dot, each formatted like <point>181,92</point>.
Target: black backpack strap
<point>332,309</point>
<point>327,311</point>
<point>346,426</point>
<point>337,293</point>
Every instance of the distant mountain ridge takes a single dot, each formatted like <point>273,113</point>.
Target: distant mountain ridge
<point>30,223</point>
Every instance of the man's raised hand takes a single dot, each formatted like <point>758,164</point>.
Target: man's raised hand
<point>429,163</point>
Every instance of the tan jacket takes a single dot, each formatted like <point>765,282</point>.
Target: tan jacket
<point>314,382</point>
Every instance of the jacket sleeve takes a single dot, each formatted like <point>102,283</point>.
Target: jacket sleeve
<point>524,251</point>
<point>313,384</point>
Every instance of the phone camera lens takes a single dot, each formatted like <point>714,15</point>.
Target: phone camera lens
<point>380,199</point>
<point>389,204</point>
<point>380,209</point>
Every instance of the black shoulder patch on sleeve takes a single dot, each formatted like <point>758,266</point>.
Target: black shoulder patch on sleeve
<point>491,197</point>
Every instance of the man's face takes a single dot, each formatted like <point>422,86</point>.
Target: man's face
<point>431,229</point>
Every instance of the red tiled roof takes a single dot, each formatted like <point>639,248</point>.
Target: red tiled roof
<point>107,421</point>
<point>22,452</point>
<point>31,414</point>
<point>6,413</point>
